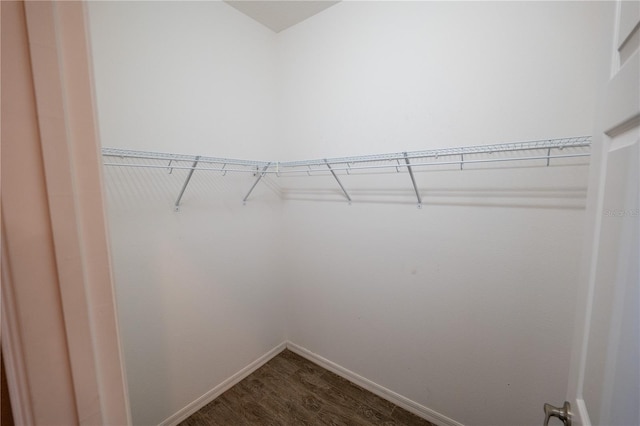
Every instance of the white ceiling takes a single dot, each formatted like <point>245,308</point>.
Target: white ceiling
<point>280,15</point>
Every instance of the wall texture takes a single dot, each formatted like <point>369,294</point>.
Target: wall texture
<point>464,306</point>
<point>196,77</point>
<point>199,292</point>
<point>380,76</point>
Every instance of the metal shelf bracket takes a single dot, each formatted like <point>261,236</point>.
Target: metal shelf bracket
<point>260,176</point>
<point>346,194</point>
<point>186,182</point>
<point>413,180</point>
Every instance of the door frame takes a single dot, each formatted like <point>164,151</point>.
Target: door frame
<point>59,325</point>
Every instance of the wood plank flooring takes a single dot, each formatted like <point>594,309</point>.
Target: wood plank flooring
<point>290,390</point>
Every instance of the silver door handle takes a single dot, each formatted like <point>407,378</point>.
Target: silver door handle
<point>563,413</point>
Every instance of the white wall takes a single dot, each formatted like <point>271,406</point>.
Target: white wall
<point>465,306</point>
<point>380,76</point>
<point>196,77</point>
<point>198,291</point>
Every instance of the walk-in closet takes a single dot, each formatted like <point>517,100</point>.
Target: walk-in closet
<point>436,201</point>
<point>397,188</point>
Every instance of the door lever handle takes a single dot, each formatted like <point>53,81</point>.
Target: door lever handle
<point>563,413</point>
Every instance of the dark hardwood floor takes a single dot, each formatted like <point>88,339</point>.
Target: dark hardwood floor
<point>289,390</point>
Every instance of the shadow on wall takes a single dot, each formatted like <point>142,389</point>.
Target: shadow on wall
<point>554,187</point>
<point>521,187</point>
<point>572,198</point>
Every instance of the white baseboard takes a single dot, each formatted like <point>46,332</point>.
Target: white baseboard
<point>381,391</point>
<point>184,413</point>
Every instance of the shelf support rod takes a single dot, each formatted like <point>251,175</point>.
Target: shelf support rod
<point>260,176</point>
<point>186,182</point>
<point>346,194</point>
<point>413,180</point>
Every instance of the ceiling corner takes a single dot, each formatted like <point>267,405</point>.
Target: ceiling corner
<point>278,15</point>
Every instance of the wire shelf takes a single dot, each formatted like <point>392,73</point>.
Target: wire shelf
<point>442,156</point>
<point>544,151</point>
<point>150,155</point>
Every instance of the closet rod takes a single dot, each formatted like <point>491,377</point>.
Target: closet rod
<point>149,155</point>
<point>350,168</point>
<point>439,163</point>
<point>160,166</point>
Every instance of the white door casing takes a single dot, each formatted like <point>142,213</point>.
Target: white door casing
<point>59,326</point>
<point>604,385</point>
